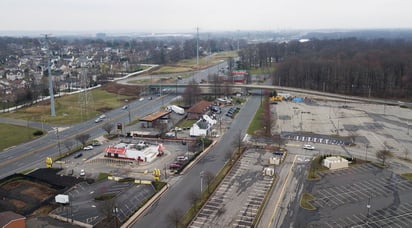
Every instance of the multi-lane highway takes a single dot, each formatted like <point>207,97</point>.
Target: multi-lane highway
<point>32,154</point>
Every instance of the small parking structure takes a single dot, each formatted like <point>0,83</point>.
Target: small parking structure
<point>360,196</point>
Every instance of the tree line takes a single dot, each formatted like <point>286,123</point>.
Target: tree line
<point>378,68</point>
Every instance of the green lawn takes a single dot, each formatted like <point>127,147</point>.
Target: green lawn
<point>69,108</point>
<point>191,64</point>
<point>256,124</point>
<point>13,135</point>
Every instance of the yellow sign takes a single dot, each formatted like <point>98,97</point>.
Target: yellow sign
<point>49,162</point>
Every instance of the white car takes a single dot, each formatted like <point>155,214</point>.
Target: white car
<point>82,173</point>
<point>308,147</point>
<point>90,147</point>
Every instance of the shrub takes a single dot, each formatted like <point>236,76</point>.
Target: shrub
<point>38,133</point>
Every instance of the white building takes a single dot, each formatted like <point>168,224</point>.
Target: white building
<point>202,127</point>
<point>335,162</point>
<point>139,152</point>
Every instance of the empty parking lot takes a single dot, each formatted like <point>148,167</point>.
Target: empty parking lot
<point>236,201</point>
<point>360,196</point>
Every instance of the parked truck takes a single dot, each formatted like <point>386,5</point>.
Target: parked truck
<point>176,109</point>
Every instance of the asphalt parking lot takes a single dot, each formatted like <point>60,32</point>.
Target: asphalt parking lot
<point>236,201</point>
<point>360,196</point>
<point>357,129</point>
<point>85,209</point>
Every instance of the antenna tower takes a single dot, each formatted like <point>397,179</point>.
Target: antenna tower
<point>86,102</point>
<point>197,46</point>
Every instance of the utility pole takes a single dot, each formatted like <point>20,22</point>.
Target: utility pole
<point>52,108</point>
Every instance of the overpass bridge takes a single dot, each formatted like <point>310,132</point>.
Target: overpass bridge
<point>209,88</point>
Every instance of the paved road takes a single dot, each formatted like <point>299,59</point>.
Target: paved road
<point>177,196</point>
<point>32,154</point>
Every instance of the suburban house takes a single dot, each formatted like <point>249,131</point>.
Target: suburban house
<point>198,110</point>
<point>202,127</point>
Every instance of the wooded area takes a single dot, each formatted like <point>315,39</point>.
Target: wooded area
<point>377,68</point>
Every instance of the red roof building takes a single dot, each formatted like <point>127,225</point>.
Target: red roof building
<point>9,219</point>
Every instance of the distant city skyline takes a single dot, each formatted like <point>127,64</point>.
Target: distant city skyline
<point>156,16</point>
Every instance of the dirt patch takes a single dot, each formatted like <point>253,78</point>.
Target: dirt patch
<point>126,90</point>
<point>39,192</point>
<point>18,204</point>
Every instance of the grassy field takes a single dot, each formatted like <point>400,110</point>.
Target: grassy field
<point>191,64</point>
<point>13,135</point>
<point>266,70</point>
<point>68,108</point>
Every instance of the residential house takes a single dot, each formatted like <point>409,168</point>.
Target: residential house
<point>198,110</point>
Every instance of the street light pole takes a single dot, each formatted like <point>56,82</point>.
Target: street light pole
<point>201,182</point>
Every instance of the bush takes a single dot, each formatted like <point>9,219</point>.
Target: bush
<point>105,197</point>
<point>38,133</point>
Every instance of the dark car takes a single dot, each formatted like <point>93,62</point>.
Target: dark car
<point>78,155</point>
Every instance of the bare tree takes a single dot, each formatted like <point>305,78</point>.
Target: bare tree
<point>406,153</point>
<point>191,93</point>
<point>209,176</point>
<point>108,208</point>
<point>108,127</point>
<point>175,216</point>
<point>193,197</point>
<point>162,127</point>
<point>383,155</point>
<point>267,119</point>
<point>68,144</point>
<point>82,138</point>
<point>229,155</point>
<point>238,143</point>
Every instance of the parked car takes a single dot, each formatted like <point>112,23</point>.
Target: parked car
<point>182,158</point>
<point>175,166</point>
<point>96,143</point>
<point>78,155</point>
<point>82,173</point>
<point>90,147</point>
<point>308,147</point>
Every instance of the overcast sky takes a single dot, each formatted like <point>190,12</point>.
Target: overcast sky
<point>208,15</point>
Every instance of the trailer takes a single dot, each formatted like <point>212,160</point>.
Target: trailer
<point>63,199</point>
<point>176,109</point>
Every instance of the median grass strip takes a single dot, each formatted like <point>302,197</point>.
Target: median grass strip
<point>305,201</point>
<point>256,124</point>
<point>407,176</point>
